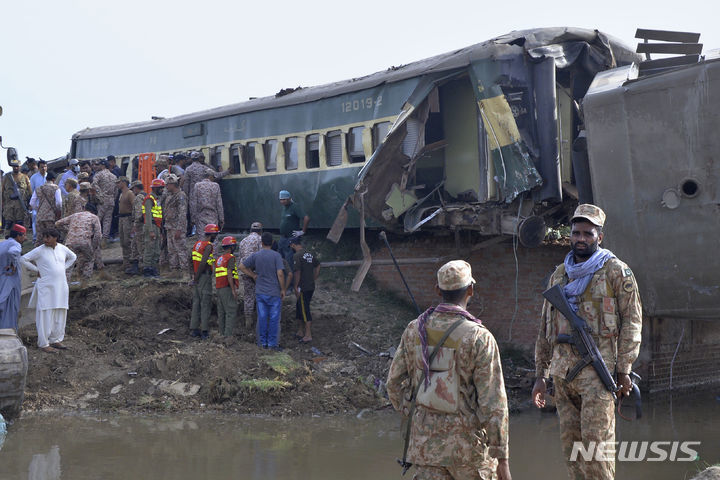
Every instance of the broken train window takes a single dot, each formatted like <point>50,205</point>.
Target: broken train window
<point>312,151</point>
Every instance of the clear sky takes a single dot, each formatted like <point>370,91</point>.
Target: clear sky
<point>67,65</point>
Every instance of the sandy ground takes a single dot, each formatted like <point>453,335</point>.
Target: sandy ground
<point>130,350</point>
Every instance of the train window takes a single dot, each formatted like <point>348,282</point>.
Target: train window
<point>248,156</point>
<point>291,153</point>
<point>136,167</point>
<point>334,148</point>
<point>380,130</point>
<point>356,152</point>
<point>312,151</point>
<point>235,156</point>
<point>216,157</point>
<point>271,149</point>
<point>124,164</point>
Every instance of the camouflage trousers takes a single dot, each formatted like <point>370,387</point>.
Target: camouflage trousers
<point>151,253</point>
<point>204,218</point>
<point>202,302</point>
<point>124,230</point>
<point>248,300</point>
<point>176,249</point>
<point>587,414</point>
<point>13,213</point>
<point>226,311</point>
<point>462,472</point>
<point>85,259</point>
<point>105,212</point>
<point>136,244</point>
<point>42,226</point>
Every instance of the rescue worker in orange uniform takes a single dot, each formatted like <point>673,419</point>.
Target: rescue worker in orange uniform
<point>152,219</point>
<point>226,287</point>
<point>202,261</point>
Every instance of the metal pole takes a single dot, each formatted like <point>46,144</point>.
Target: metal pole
<point>384,238</point>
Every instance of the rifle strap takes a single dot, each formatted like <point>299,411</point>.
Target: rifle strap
<point>436,349</point>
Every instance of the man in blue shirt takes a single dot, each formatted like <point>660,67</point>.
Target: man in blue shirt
<point>266,268</point>
<point>71,172</point>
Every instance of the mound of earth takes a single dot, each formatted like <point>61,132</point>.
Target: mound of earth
<point>130,350</point>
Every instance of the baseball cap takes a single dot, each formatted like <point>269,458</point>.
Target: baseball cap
<point>84,185</point>
<point>256,226</point>
<point>455,275</point>
<point>18,228</point>
<point>136,183</point>
<point>591,213</point>
<point>284,195</point>
<point>123,179</point>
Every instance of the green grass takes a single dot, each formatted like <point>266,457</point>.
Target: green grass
<point>264,384</point>
<point>280,362</point>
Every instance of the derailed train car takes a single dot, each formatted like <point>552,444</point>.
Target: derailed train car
<point>479,138</point>
<point>653,144</point>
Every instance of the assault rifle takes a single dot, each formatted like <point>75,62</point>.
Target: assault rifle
<point>583,342</point>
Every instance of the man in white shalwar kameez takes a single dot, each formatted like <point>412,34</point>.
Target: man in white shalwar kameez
<point>50,295</point>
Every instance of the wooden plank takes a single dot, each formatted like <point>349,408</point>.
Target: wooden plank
<point>667,36</point>
<point>674,48</point>
<point>668,62</point>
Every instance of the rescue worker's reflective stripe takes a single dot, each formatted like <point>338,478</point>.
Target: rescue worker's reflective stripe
<point>235,274</point>
<point>221,271</point>
<point>197,254</point>
<point>156,210</point>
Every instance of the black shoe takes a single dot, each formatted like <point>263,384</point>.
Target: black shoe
<point>195,332</point>
<point>147,272</point>
<point>277,348</point>
<point>204,335</point>
<point>133,269</point>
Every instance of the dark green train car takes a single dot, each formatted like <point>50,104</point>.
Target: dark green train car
<point>479,138</point>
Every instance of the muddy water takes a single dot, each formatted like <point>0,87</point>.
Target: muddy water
<point>212,447</point>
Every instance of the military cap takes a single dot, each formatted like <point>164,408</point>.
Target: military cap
<point>123,179</point>
<point>591,213</point>
<point>85,185</point>
<point>18,228</point>
<point>136,183</point>
<point>171,178</point>
<point>83,175</point>
<point>455,275</point>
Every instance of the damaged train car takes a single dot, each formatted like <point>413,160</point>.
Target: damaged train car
<point>484,141</point>
<point>653,148</point>
<point>479,138</point>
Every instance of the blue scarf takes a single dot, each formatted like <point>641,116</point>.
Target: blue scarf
<point>581,273</point>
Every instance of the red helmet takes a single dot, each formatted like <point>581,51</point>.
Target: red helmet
<point>229,241</point>
<point>212,228</point>
<point>157,183</point>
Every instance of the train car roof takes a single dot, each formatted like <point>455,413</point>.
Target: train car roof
<point>528,39</point>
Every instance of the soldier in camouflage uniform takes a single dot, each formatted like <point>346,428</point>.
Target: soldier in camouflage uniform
<point>105,184</point>
<point>83,238</point>
<point>249,245</point>
<point>136,245</point>
<point>14,208</point>
<point>125,222</point>
<point>73,202</point>
<point>46,200</point>
<point>206,205</point>
<point>175,215</point>
<point>460,417</point>
<point>603,291</point>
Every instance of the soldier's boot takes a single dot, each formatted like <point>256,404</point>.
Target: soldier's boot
<point>148,272</point>
<point>204,335</point>
<point>195,332</point>
<point>133,268</point>
<point>156,273</point>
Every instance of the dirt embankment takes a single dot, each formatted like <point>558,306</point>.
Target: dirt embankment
<point>130,350</point>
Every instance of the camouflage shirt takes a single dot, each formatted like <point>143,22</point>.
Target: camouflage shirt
<point>137,215</point>
<point>194,174</point>
<point>175,210</point>
<point>462,417</point>
<point>48,200</point>
<point>105,184</point>
<point>73,203</point>
<point>249,245</point>
<point>205,198</point>
<point>83,229</point>
<point>610,306</point>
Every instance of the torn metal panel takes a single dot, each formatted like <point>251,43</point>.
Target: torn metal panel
<point>493,110</point>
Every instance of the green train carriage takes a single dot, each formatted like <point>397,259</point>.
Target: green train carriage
<point>479,138</point>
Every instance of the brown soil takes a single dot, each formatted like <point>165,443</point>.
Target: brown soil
<point>117,359</point>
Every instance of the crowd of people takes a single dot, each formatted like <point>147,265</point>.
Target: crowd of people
<point>91,204</point>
